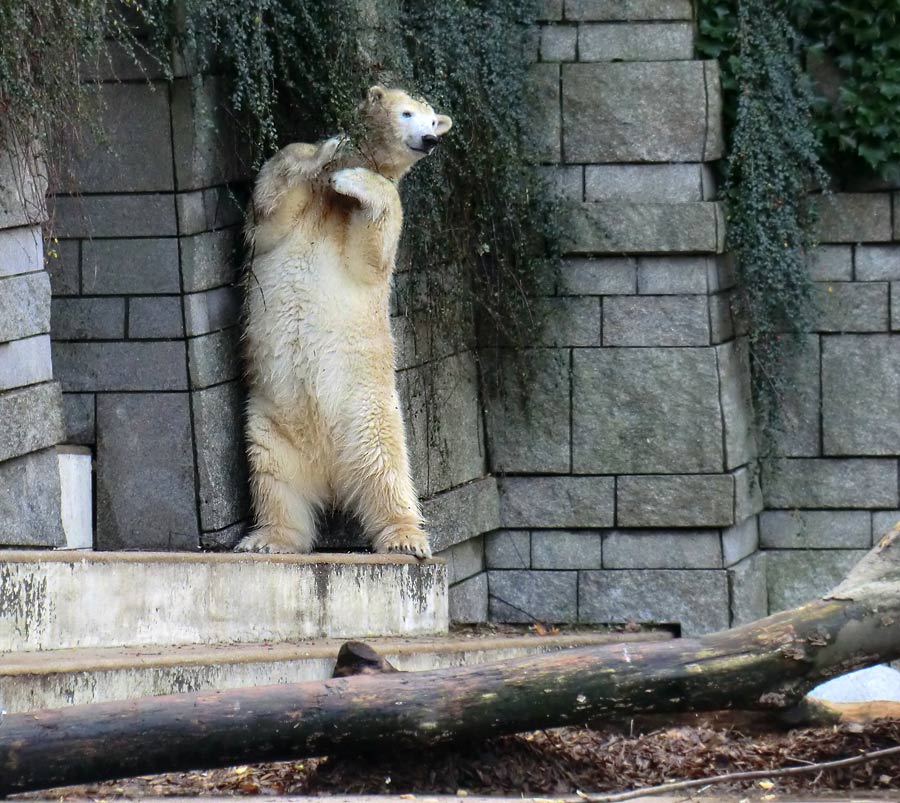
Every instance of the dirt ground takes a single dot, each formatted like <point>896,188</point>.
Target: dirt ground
<point>556,762</point>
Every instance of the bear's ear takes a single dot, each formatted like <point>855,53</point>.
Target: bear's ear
<point>376,94</point>
<point>444,124</point>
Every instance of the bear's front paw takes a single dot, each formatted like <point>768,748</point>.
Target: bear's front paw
<point>266,542</point>
<point>404,539</point>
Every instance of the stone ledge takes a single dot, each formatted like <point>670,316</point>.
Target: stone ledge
<point>462,513</point>
<point>31,418</point>
<point>24,305</point>
<point>659,42</point>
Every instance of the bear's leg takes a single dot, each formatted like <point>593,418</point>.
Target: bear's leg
<point>373,477</point>
<point>287,489</point>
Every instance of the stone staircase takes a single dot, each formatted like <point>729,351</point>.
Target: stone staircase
<point>83,627</point>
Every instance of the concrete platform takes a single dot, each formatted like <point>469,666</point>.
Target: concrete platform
<point>51,600</point>
<point>33,680</point>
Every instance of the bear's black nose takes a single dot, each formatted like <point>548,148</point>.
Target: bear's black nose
<point>429,142</point>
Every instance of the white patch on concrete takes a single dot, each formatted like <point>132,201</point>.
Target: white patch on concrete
<point>75,496</point>
<point>862,686</point>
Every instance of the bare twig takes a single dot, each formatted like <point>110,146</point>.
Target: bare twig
<point>742,776</point>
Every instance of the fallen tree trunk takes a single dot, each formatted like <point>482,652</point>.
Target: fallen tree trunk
<point>767,665</point>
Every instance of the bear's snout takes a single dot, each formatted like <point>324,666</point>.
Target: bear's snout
<point>430,142</point>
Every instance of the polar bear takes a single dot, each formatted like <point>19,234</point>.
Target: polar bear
<point>323,415</point>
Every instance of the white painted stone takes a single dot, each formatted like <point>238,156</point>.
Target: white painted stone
<point>58,600</point>
<point>75,496</point>
<point>25,362</point>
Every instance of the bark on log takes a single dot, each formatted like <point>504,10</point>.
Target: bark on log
<point>768,665</point>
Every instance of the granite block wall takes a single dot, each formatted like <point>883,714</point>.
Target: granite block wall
<point>627,488</point>
<point>31,419</point>
<point>831,486</point>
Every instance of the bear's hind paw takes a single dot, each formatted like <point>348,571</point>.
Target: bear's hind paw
<point>262,542</point>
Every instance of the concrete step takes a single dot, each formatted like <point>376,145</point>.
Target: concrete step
<point>34,680</point>
<point>68,599</point>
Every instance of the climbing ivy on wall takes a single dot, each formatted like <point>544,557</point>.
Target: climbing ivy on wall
<point>772,163</point>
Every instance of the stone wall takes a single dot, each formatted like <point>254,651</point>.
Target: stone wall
<point>832,486</point>
<point>626,490</point>
<point>30,404</point>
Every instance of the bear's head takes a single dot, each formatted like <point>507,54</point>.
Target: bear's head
<point>400,129</point>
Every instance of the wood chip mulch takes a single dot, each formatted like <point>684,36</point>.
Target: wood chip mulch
<point>552,762</point>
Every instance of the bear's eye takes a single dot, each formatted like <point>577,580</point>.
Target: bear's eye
<point>407,114</point>
<point>433,123</point>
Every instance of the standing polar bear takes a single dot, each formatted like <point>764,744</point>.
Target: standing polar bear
<point>323,415</point>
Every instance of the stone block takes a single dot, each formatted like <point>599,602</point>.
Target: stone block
<point>462,513</point>
<point>30,419</point>
<point>411,388</point>
<point>629,228</point>
<point>223,540</point>
<point>211,310</point>
<point>88,216</point>
<point>214,358</point>
<point>134,151</point>
<point>656,321</point>
<point>508,549</point>
<point>23,188</point>
<point>795,577</point>
<point>877,263</point>
<point>221,463</point>
<point>854,419</point>
<point>206,210</point>
<point>25,362</point>
<point>146,497</point>
<point>21,251</point>
<point>721,320</point>
<point>468,600</point>
<point>815,529</point>
<point>895,306</point>
<point>598,277</point>
<point>646,411</point>
<point>528,422</point>
<point>662,549</point>
<point>569,321</point>
<point>700,500</point>
<point>854,217</point>
<point>456,429</point>
<point>749,595</point>
<point>695,599</point>
<point>557,501</point>
<point>549,10</point>
<point>618,42</point>
<point>209,259</point>
<point>831,263</point>
<point>618,10</point>
<point>464,559</point>
<point>78,411</point>
<point>544,115</point>
<point>748,498</point>
<point>896,202</point>
<point>155,317</point>
<point>558,42</point>
<point>412,339</point>
<point>740,541</point>
<point>737,402</point>
<point>882,522</point>
<point>64,267</point>
<point>133,365</point>
<point>529,596</point>
<point>130,267</point>
<point>646,183</point>
<point>564,181</point>
<point>88,318</point>
<point>830,483</point>
<point>852,306</point>
<point>654,111</point>
<point>30,500</point>
<point>202,135</point>
<point>800,434</point>
<point>566,549</point>
<point>24,305</point>
<point>676,275</point>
